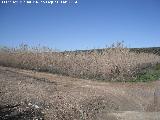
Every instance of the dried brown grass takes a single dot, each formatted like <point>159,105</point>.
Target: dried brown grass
<point>116,63</point>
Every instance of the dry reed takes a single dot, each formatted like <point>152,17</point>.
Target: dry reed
<point>116,63</point>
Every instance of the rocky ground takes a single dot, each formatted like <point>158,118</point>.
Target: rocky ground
<point>30,95</point>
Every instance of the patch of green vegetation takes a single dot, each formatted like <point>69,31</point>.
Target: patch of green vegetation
<point>157,67</point>
<point>148,75</point>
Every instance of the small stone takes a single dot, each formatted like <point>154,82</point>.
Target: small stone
<point>29,104</point>
<point>36,106</point>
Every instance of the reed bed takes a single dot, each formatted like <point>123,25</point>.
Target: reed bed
<point>116,63</point>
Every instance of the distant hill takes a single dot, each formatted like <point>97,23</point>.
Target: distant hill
<point>155,50</point>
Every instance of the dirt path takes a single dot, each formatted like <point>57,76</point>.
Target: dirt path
<point>33,95</point>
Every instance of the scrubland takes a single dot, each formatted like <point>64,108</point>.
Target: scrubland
<point>115,63</point>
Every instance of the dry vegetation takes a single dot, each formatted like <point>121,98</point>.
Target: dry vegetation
<point>115,63</point>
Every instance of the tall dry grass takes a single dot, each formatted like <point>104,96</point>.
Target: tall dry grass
<point>113,63</point>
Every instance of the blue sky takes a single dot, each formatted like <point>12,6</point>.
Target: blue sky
<point>88,24</point>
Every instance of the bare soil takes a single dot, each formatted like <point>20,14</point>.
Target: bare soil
<point>30,95</point>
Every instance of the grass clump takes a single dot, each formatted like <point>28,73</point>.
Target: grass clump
<point>115,63</point>
<point>149,75</point>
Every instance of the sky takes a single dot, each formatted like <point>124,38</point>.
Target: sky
<point>86,25</point>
